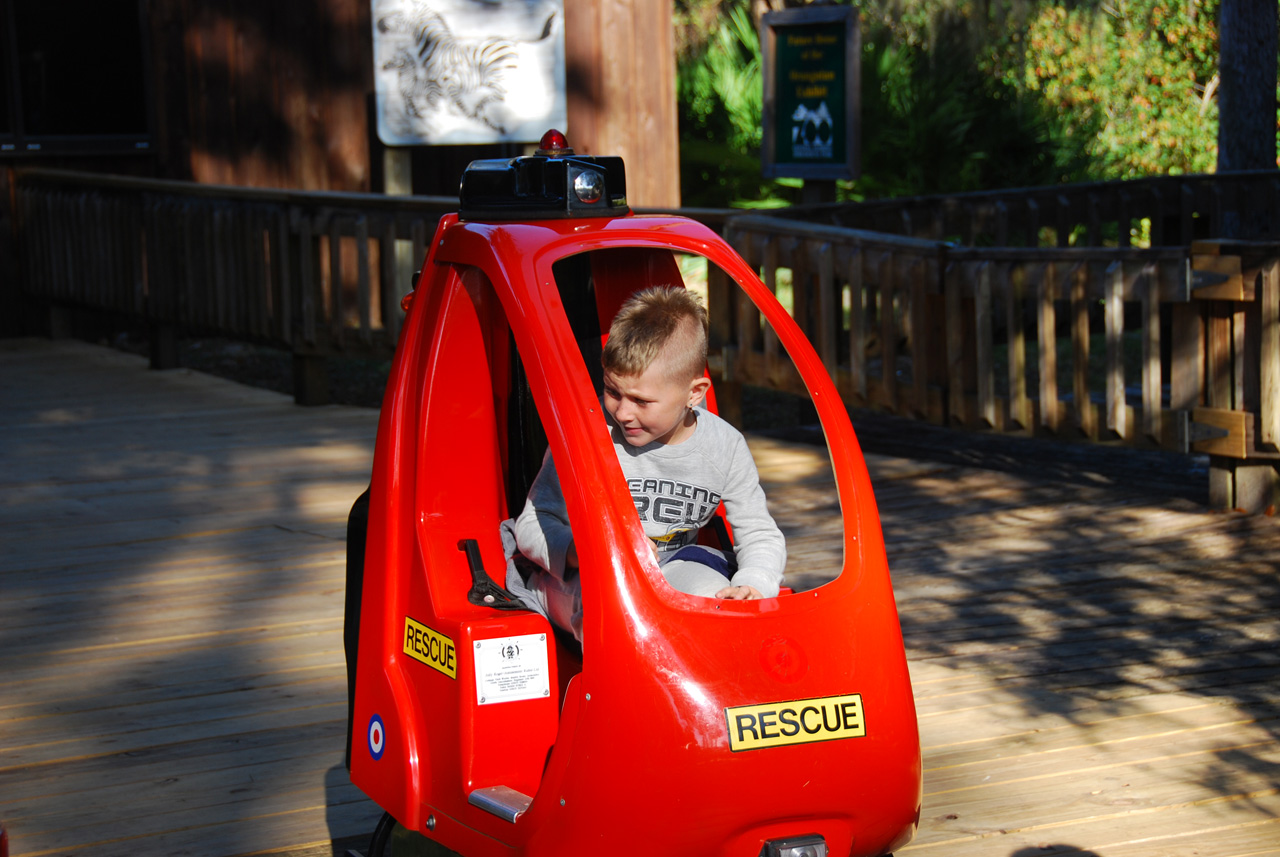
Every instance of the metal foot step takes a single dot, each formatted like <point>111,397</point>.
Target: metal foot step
<point>503,801</point>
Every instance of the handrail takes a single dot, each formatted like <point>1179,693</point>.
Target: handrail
<point>1078,333</point>
<point>1169,347</point>
<point>313,272</point>
<point>1176,210</point>
<point>30,176</point>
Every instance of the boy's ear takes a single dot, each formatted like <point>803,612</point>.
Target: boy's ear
<point>698,389</point>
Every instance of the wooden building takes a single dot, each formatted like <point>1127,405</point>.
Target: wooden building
<point>280,94</point>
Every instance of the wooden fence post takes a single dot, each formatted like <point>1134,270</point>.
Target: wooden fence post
<point>310,379</point>
<point>310,370</point>
<point>721,332</point>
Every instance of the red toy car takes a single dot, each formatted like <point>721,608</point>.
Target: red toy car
<point>681,726</point>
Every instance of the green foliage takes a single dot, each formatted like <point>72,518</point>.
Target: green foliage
<point>1139,74</point>
<point>932,118</point>
<point>720,95</point>
<point>934,121</point>
<point>970,94</point>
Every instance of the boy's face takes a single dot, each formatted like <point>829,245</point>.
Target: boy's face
<point>652,407</point>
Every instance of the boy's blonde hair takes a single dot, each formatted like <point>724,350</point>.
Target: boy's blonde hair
<point>666,321</point>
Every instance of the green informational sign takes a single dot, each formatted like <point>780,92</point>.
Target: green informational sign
<point>811,92</point>
<point>810,114</point>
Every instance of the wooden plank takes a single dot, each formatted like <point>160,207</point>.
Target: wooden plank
<point>1152,380</point>
<point>1114,692</point>
<point>985,365</point>
<point>918,329</point>
<point>826,316</point>
<point>859,306</point>
<point>1235,423</point>
<point>1117,414</point>
<point>335,306</point>
<point>254,268</point>
<point>887,281</point>
<point>953,284</point>
<point>1086,418</point>
<point>803,272</point>
<point>206,299</point>
<point>308,289</point>
<point>1269,371</point>
<point>226,300</point>
<point>748,335</point>
<point>1046,294</point>
<point>774,252</point>
<point>1221,278</point>
<point>1240,365</point>
<point>364,289</point>
<point>1186,365</point>
<point>1219,381</point>
<point>1014,288</point>
<point>283,277</point>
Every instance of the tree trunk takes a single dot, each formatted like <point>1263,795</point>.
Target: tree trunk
<point>1247,97</point>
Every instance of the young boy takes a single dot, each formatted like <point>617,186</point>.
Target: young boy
<point>679,461</point>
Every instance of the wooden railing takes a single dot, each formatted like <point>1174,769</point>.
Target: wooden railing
<point>314,273</point>
<point>1169,347</point>
<point>1165,211</point>
<point>317,274</point>
<point>1076,333</point>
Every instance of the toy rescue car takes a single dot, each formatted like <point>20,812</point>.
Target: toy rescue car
<point>681,725</point>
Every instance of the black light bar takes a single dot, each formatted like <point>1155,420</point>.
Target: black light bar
<point>551,183</point>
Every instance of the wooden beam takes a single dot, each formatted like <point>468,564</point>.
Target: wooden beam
<point>954,284</point>
<point>1117,414</point>
<point>1269,416</point>
<point>1048,339</point>
<point>1222,432</point>
<point>918,327</point>
<point>1015,297</point>
<point>1152,381</point>
<point>1086,419</point>
<point>858,299</point>
<point>1218,278</point>
<point>889,331</point>
<point>621,100</point>
<point>826,318</point>
<point>982,324</point>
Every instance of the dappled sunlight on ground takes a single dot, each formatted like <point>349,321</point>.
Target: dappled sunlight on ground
<point>1094,662</point>
<point>172,620</point>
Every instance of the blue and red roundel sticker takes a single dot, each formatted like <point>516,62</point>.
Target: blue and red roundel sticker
<point>377,737</point>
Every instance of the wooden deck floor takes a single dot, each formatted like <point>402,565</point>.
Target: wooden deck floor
<point>1096,668</point>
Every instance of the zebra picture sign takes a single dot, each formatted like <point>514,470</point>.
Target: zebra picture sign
<point>468,71</point>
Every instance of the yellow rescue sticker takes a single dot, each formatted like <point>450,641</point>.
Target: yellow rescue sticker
<point>801,721</point>
<point>431,647</point>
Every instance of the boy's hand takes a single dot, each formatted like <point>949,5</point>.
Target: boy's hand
<point>739,593</point>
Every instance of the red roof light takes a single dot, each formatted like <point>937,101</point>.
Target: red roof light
<point>553,144</point>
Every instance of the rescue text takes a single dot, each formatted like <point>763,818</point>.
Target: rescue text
<point>431,647</point>
<point>800,721</point>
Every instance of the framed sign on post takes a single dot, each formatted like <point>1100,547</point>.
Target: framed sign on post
<point>811,92</point>
<point>459,71</point>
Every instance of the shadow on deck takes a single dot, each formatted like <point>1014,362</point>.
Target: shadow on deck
<point>1093,652</point>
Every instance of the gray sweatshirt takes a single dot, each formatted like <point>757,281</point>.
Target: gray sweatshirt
<point>676,489</point>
